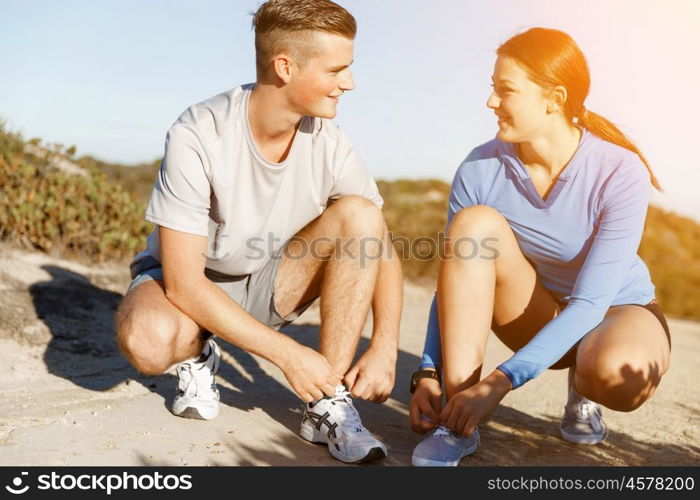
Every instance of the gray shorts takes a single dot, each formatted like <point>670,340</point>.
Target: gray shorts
<point>255,293</point>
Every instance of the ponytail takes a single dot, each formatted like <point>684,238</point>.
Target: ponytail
<point>605,129</point>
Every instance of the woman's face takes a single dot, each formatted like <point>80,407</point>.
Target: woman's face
<point>519,103</point>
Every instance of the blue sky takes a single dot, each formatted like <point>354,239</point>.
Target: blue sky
<point>111,76</point>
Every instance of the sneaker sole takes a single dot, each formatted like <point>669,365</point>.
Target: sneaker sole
<point>581,438</point>
<point>424,462</point>
<point>189,410</point>
<point>310,434</point>
<point>374,454</point>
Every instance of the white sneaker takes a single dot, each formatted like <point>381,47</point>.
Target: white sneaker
<point>444,448</point>
<point>335,421</point>
<point>197,395</point>
<point>583,419</point>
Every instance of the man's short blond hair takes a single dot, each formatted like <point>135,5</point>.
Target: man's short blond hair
<point>290,25</point>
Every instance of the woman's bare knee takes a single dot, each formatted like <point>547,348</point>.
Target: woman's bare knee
<point>479,220</point>
<point>481,232</point>
<point>621,362</point>
<point>618,386</point>
<point>521,304</point>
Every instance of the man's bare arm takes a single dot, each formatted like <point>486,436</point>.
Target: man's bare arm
<point>183,259</point>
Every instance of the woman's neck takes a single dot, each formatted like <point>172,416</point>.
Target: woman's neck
<point>551,151</point>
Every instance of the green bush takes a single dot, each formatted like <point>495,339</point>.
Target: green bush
<point>414,210</point>
<point>45,208</point>
<point>671,249</point>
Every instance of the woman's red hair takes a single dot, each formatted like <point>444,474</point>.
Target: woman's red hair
<point>551,58</point>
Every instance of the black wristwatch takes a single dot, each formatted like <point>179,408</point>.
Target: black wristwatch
<point>423,374</point>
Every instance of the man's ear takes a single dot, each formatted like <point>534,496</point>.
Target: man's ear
<point>284,67</point>
<point>557,99</point>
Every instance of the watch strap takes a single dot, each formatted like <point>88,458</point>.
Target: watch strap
<point>421,374</point>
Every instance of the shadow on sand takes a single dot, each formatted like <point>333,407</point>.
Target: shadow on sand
<point>83,351</point>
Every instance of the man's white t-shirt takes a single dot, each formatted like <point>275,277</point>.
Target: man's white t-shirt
<point>214,182</point>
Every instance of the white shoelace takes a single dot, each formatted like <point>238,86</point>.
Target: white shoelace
<point>197,380</point>
<point>441,430</point>
<point>196,377</point>
<point>588,412</point>
<point>344,412</point>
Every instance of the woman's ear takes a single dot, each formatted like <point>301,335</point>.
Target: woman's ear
<point>284,67</point>
<point>557,99</point>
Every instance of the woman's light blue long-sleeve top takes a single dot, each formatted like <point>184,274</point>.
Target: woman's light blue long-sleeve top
<point>582,241</point>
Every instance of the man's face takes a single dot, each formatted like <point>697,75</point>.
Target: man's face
<point>323,77</point>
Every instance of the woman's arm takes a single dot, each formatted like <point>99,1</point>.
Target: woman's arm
<point>432,355</point>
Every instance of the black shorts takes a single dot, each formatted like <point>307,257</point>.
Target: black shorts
<point>569,358</point>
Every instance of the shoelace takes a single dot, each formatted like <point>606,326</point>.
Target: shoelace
<point>441,430</point>
<point>588,412</point>
<point>196,377</point>
<point>344,411</point>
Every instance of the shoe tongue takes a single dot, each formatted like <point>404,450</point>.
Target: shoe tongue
<point>574,396</point>
<point>201,359</point>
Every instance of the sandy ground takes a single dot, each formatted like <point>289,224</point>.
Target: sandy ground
<point>69,398</point>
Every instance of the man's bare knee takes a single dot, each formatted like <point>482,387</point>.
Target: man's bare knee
<point>148,341</point>
<point>358,216</point>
